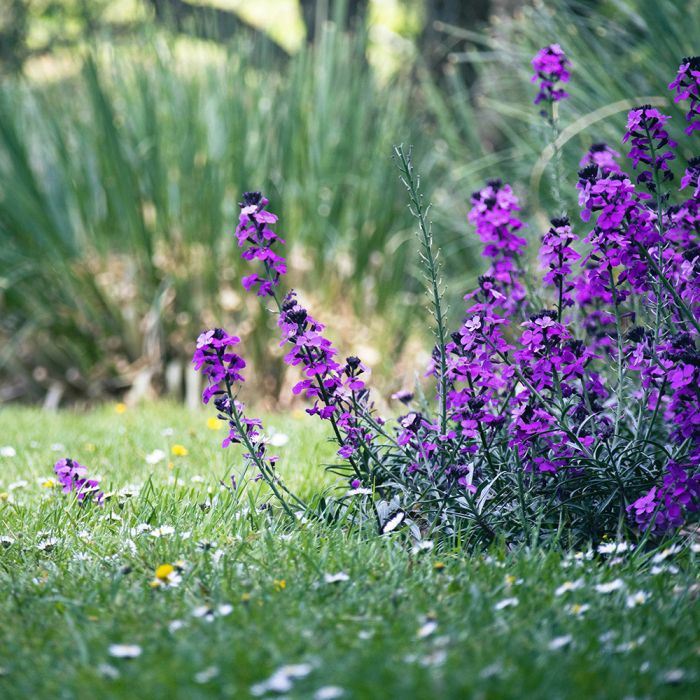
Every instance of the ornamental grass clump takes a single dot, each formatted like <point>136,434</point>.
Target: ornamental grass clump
<point>566,404</point>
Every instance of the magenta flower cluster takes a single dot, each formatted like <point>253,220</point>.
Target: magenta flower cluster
<point>551,68</point>
<point>687,87</point>
<point>573,397</point>
<point>257,240</point>
<point>73,478</point>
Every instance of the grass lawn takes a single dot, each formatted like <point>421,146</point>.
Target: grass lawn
<point>266,609</point>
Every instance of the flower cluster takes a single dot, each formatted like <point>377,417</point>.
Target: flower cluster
<point>551,67</point>
<point>687,87</point>
<point>257,239</point>
<point>651,144</point>
<point>603,157</point>
<point>73,478</point>
<point>493,213</point>
<point>558,256</point>
<point>217,363</point>
<point>573,402</point>
<point>667,506</point>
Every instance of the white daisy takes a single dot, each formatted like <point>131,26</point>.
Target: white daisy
<point>560,642</point>
<point>163,531</point>
<point>611,586</point>
<point>638,598</point>
<point>124,651</point>
<point>155,457</point>
<point>568,586</point>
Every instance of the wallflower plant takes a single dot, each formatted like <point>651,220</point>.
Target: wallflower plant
<point>566,404</point>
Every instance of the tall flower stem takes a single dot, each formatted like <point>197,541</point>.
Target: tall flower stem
<point>429,258</point>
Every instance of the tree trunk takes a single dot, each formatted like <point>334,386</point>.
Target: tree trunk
<point>346,13</point>
<point>436,45</point>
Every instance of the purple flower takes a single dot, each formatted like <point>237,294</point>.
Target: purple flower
<point>691,178</point>
<point>669,504</point>
<point>216,362</point>
<point>72,476</point>
<point>603,157</point>
<point>558,255</point>
<point>551,67</point>
<point>257,240</point>
<point>687,87</point>
<point>493,214</point>
<point>651,144</point>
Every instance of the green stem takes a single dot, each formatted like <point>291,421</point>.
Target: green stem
<point>412,184</point>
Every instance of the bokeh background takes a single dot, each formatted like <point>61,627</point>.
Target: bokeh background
<point>130,128</point>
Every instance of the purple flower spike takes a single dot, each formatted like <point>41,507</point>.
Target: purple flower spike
<point>216,362</point>
<point>551,67</point>
<point>651,144</point>
<point>687,87</point>
<point>257,239</point>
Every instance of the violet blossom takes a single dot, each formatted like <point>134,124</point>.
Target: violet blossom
<point>651,144</point>
<point>687,87</point>
<point>257,239</point>
<point>73,478</point>
<point>551,67</point>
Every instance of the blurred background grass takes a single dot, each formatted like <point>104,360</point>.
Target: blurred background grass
<point>129,129</point>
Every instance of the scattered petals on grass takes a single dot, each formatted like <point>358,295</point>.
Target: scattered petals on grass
<point>506,603</point>
<point>206,675</point>
<point>124,651</point>
<point>560,642</point>
<point>611,586</point>
<point>568,586</point>
<point>108,671</point>
<point>278,439</point>
<point>426,629</point>
<point>329,692</point>
<point>638,598</point>
<point>666,553</point>
<point>282,680</point>
<point>175,625</point>
<point>155,457</point>
<point>578,609</point>
<point>614,547</point>
<point>422,546</point>
<point>209,613</point>
<point>47,545</point>
<point>163,531</point>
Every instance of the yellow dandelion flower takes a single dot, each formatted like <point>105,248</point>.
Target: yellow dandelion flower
<point>179,450</point>
<point>4,496</point>
<point>120,408</point>
<point>163,571</point>
<point>245,598</point>
<point>155,583</point>
<point>510,580</point>
<point>438,566</point>
<point>48,484</point>
<point>279,584</point>
<point>214,424</point>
